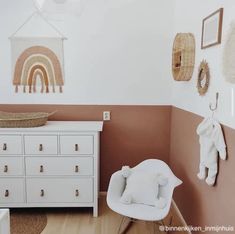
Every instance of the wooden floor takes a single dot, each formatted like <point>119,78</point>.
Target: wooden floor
<point>81,221</point>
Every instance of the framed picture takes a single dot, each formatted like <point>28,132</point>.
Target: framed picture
<point>212,29</point>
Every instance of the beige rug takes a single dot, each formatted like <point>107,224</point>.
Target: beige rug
<point>27,221</point>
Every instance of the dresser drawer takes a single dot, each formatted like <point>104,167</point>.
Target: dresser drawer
<point>11,166</point>
<point>59,190</point>
<point>41,145</point>
<point>59,166</point>
<point>10,144</point>
<point>11,190</point>
<point>76,145</point>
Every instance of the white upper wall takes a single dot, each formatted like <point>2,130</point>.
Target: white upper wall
<point>116,52</point>
<point>188,18</point>
<point>119,52</point>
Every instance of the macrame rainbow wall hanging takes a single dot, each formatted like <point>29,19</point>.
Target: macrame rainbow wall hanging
<point>37,65</point>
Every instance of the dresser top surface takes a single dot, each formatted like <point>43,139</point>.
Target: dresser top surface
<point>70,126</point>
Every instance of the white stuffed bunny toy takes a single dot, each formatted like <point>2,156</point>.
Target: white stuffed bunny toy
<point>212,142</point>
<point>143,187</point>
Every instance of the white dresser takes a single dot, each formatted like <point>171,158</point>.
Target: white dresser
<point>56,165</point>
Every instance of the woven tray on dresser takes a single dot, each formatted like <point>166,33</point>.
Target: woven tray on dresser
<point>23,120</point>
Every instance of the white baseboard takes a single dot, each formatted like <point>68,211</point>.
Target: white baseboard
<point>103,193</point>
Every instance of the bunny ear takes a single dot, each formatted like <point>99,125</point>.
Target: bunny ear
<point>126,171</point>
<point>162,180</point>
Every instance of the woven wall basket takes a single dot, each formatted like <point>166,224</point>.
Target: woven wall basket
<point>183,56</point>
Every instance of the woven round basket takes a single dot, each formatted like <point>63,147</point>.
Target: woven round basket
<point>183,56</point>
<point>23,120</point>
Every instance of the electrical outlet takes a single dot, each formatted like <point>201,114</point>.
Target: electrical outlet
<point>106,115</point>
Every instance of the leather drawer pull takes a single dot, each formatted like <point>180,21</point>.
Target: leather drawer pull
<point>7,193</point>
<point>41,168</point>
<point>40,147</point>
<point>76,168</point>
<point>4,146</point>
<point>42,193</point>
<point>76,147</point>
<point>5,168</point>
<point>77,193</point>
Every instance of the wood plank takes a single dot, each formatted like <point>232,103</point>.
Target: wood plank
<point>80,220</point>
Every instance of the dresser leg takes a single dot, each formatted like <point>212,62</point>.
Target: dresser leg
<point>95,211</point>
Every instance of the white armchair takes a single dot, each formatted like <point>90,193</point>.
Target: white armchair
<point>139,211</point>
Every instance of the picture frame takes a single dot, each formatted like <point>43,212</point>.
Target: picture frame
<point>212,29</point>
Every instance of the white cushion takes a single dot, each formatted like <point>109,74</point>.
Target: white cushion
<point>141,187</point>
<point>139,211</point>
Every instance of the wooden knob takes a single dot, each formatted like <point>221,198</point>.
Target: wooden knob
<point>77,193</point>
<point>76,168</point>
<point>41,168</point>
<point>5,168</point>
<point>7,193</point>
<point>40,147</point>
<point>76,147</point>
<point>4,146</point>
<point>42,193</point>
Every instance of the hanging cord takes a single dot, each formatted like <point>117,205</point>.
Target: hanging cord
<point>52,26</point>
<point>42,17</point>
<point>26,21</point>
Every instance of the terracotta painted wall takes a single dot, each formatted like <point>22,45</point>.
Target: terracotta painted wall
<point>134,133</point>
<point>199,203</point>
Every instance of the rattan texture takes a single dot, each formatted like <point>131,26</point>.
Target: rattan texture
<point>183,56</point>
<point>23,120</point>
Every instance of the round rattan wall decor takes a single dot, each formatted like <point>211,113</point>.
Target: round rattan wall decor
<point>203,79</point>
<point>183,56</point>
